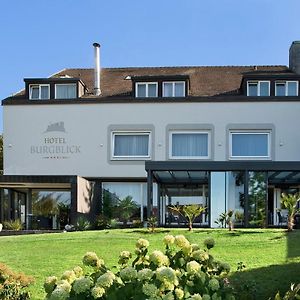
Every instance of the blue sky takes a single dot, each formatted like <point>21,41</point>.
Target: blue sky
<point>41,37</point>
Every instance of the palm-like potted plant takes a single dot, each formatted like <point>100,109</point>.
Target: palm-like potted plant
<point>289,202</point>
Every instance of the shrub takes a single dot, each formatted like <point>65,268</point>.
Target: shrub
<point>82,224</point>
<point>13,286</point>
<point>182,271</point>
<point>13,225</point>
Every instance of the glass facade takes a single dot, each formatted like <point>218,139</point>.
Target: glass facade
<point>49,209</point>
<point>126,202</point>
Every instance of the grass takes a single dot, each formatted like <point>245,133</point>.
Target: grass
<point>271,256</point>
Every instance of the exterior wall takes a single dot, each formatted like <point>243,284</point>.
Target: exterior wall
<point>84,196</point>
<point>83,136</point>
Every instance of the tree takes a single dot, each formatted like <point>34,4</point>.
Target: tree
<point>289,202</point>
<point>126,208</point>
<point>189,212</point>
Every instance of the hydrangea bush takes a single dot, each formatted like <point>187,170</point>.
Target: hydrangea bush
<point>182,271</point>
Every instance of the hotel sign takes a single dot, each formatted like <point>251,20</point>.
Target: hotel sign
<point>55,144</point>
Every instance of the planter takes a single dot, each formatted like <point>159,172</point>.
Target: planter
<point>1,227</point>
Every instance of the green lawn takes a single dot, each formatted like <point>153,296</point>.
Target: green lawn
<point>271,256</point>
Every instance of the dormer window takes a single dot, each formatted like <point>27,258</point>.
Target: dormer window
<point>258,88</point>
<point>146,89</point>
<point>65,91</point>
<point>39,91</point>
<point>174,89</point>
<point>286,88</point>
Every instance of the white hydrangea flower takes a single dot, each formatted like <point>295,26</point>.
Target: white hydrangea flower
<point>209,243</point>
<point>200,255</point>
<point>168,296</point>
<point>179,293</point>
<point>216,297</point>
<point>142,243</point>
<point>82,285</point>
<point>150,289</point>
<point>159,259</point>
<point>128,274</point>
<point>213,284</point>
<point>106,280</point>
<point>64,284</point>
<point>181,241</point>
<point>169,240</point>
<point>125,254</point>
<point>50,284</point>
<point>59,294</point>
<point>144,274</point>
<point>196,297</point>
<point>69,276</point>
<point>193,267</point>
<point>166,274</point>
<point>91,259</point>
<point>78,271</point>
<point>97,292</point>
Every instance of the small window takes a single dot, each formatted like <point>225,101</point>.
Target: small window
<point>65,91</point>
<point>39,91</point>
<point>286,88</point>
<point>174,89</point>
<point>146,89</point>
<point>189,145</point>
<point>255,145</point>
<point>131,145</point>
<point>258,88</point>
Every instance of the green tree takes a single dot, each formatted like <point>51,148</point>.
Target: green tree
<point>126,208</point>
<point>289,202</point>
<point>189,212</point>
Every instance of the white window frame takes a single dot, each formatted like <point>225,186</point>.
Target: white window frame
<point>146,84</point>
<point>173,88</point>
<point>39,85</point>
<point>127,157</point>
<point>258,82</point>
<point>265,132</point>
<point>190,132</point>
<point>286,86</point>
<point>74,84</point>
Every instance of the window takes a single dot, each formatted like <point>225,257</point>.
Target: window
<point>254,145</point>
<point>286,88</point>
<point>146,89</point>
<point>65,91</point>
<point>258,88</point>
<point>189,145</point>
<point>132,145</point>
<point>174,89</point>
<point>39,91</point>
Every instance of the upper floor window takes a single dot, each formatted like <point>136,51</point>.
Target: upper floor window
<point>146,89</point>
<point>286,88</point>
<point>39,91</point>
<point>189,145</point>
<point>65,91</point>
<point>258,88</point>
<point>131,145</point>
<point>174,89</point>
<point>250,145</point>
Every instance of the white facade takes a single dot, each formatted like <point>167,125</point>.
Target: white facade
<point>83,145</point>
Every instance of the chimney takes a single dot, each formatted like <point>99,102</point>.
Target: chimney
<point>294,59</point>
<point>97,90</point>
